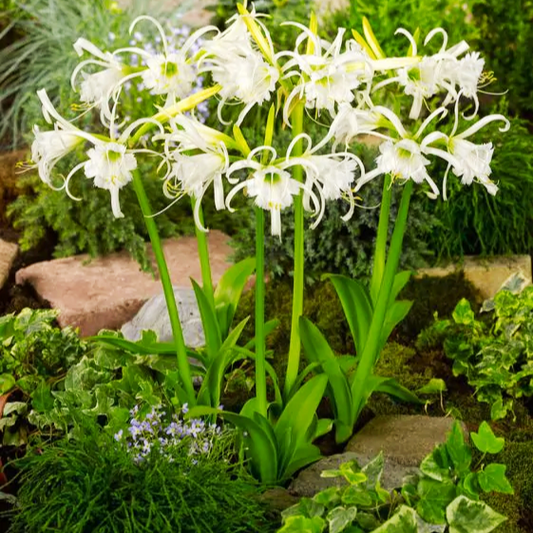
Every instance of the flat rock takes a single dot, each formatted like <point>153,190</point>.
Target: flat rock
<point>154,316</point>
<point>404,440</point>
<point>486,274</point>
<point>107,292</point>
<point>8,253</point>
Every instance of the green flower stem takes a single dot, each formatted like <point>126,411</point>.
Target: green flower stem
<point>260,349</point>
<point>203,254</point>
<point>298,283</point>
<point>381,241</point>
<point>369,357</point>
<point>181,351</point>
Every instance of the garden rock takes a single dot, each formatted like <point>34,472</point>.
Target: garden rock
<point>8,253</point>
<point>154,316</point>
<point>486,274</point>
<point>404,440</point>
<point>278,499</point>
<point>107,292</point>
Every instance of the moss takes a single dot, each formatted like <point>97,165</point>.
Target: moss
<point>432,295</point>
<point>518,456</point>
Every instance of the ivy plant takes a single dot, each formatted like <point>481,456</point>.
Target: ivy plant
<point>34,353</point>
<point>443,497</point>
<point>496,355</point>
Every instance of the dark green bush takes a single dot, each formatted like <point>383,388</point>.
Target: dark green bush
<point>472,221</point>
<point>94,486</point>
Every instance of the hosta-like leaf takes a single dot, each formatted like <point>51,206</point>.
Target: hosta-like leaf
<point>469,516</point>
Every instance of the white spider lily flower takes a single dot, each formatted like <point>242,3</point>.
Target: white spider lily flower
<point>193,174</point>
<point>403,160</point>
<point>110,166</point>
<point>241,70</point>
<point>469,161</point>
<point>351,122</point>
<point>270,184</point>
<point>49,147</point>
<point>327,76</point>
<point>96,88</point>
<point>468,72</point>
<point>170,74</point>
<point>332,175</point>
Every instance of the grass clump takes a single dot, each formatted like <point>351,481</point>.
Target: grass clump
<point>96,485</point>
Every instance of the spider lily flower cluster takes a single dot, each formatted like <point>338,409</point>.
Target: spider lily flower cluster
<point>341,80</point>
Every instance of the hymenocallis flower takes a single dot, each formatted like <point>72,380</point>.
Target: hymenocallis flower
<point>239,68</point>
<point>270,184</point>
<point>469,161</point>
<point>327,76</point>
<point>109,162</point>
<point>199,160</point>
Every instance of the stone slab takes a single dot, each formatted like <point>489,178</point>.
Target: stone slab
<point>8,253</point>
<point>108,291</point>
<point>404,440</point>
<point>486,274</point>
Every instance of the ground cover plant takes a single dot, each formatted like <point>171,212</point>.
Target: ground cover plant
<point>150,477</point>
<point>443,497</point>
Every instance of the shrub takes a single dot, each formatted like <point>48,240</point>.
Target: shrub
<point>95,485</point>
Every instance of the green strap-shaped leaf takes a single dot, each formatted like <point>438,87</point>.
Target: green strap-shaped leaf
<point>143,348</point>
<point>400,281</point>
<point>269,327</point>
<point>261,451</point>
<point>396,312</point>
<point>391,387</point>
<point>229,290</point>
<point>357,307</point>
<point>318,350</point>
<point>213,339</point>
<point>210,390</point>
<point>297,416</point>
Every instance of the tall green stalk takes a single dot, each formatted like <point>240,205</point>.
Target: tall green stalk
<point>181,351</point>
<point>381,240</point>
<point>260,348</point>
<point>298,281</point>
<point>369,356</point>
<point>203,254</point>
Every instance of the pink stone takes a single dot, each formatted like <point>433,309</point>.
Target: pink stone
<point>108,291</point>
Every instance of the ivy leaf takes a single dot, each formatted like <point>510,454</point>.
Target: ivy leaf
<point>459,452</point>
<point>468,516</point>
<point>463,313</point>
<point>404,521</point>
<point>7,382</point>
<point>302,524</point>
<point>373,471</point>
<point>340,517</point>
<point>500,408</point>
<point>486,441</point>
<point>330,496</point>
<point>435,496</point>
<point>42,399</point>
<point>470,486</point>
<point>367,521</point>
<point>492,478</point>
<point>434,386</point>
<point>305,507</point>
<point>354,495</point>
<point>437,464</point>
